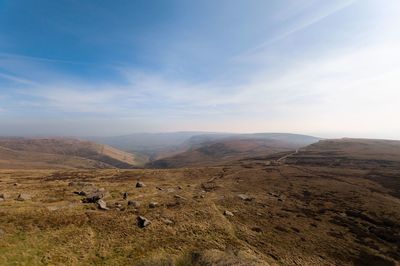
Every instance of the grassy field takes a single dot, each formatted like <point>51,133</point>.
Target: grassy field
<point>294,215</point>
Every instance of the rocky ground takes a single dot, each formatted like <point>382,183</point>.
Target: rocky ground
<point>252,212</point>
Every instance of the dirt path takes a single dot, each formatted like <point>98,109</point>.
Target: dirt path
<point>287,156</point>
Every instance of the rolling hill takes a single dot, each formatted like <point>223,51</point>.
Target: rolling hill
<point>368,153</point>
<point>216,150</point>
<point>42,153</point>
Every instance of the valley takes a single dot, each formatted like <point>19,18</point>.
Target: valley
<point>286,208</point>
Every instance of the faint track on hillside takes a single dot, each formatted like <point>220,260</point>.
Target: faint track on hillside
<point>283,158</point>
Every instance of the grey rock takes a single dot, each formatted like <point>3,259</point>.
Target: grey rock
<point>140,184</point>
<point>167,221</point>
<point>125,195</point>
<point>80,193</point>
<point>228,213</point>
<point>23,197</point>
<point>245,197</point>
<point>143,222</point>
<point>134,203</point>
<point>3,196</point>
<point>93,198</point>
<point>153,204</point>
<point>102,205</point>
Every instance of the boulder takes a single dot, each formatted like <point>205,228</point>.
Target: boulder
<point>80,193</point>
<point>125,195</point>
<point>245,197</point>
<point>93,198</point>
<point>167,221</point>
<point>140,184</point>
<point>143,222</point>
<point>3,196</point>
<point>23,197</point>
<point>153,204</point>
<point>102,205</point>
<point>228,213</point>
<point>134,203</point>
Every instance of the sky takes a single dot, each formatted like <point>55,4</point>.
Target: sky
<point>102,67</point>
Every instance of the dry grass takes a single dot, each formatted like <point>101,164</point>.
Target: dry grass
<point>298,217</point>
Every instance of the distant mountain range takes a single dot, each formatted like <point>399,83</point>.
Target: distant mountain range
<point>154,146</point>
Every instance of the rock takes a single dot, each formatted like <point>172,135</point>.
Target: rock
<point>167,221</point>
<point>179,197</point>
<point>143,222</point>
<point>228,213</point>
<point>93,198</point>
<point>153,204</point>
<point>245,197</point>
<point>133,203</point>
<point>140,184</point>
<point>102,205</point>
<point>3,196</point>
<point>23,197</point>
<point>159,188</point>
<point>80,193</point>
<point>125,195</point>
<point>15,184</point>
<point>179,187</point>
<point>209,186</point>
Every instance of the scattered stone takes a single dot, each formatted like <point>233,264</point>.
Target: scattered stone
<point>228,213</point>
<point>159,188</point>
<point>245,197</point>
<point>3,196</point>
<point>125,195</point>
<point>118,205</point>
<point>209,186</point>
<point>140,184</point>
<point>93,198</point>
<point>143,222</point>
<point>167,221</point>
<point>80,193</point>
<point>133,203</point>
<point>23,197</point>
<point>15,184</point>
<point>179,197</point>
<point>153,204</point>
<point>179,187</point>
<point>170,190</point>
<point>102,205</point>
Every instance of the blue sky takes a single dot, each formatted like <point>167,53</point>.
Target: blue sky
<point>328,68</point>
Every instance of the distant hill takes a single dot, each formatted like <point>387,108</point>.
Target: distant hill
<point>368,153</point>
<point>41,153</point>
<point>216,149</point>
<point>154,146</point>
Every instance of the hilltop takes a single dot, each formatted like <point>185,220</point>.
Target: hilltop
<point>45,153</point>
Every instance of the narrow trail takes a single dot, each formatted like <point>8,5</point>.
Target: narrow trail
<point>287,156</point>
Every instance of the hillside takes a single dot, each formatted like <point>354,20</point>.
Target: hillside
<point>246,212</point>
<point>368,153</point>
<point>155,146</point>
<point>61,153</point>
<point>222,151</point>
